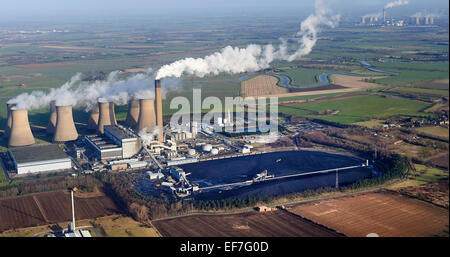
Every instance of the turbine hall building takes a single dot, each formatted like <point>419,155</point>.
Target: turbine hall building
<point>115,143</point>
<point>39,158</point>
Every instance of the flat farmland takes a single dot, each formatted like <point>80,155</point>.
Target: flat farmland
<point>250,224</point>
<point>52,207</point>
<point>387,213</point>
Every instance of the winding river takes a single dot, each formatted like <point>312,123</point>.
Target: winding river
<point>285,81</point>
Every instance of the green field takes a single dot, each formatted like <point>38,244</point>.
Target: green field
<point>300,77</point>
<point>423,176</point>
<point>412,72</point>
<point>423,91</point>
<point>435,131</point>
<point>358,109</point>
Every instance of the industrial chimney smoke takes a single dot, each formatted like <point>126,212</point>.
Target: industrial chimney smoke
<point>20,134</point>
<point>93,118</point>
<point>9,120</point>
<point>65,127</point>
<point>146,115</point>
<point>105,116</point>
<point>159,114</point>
<point>52,122</point>
<point>133,113</point>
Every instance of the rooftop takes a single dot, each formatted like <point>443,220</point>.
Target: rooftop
<point>36,153</point>
<point>121,133</point>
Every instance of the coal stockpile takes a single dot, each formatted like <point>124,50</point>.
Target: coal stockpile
<point>240,169</point>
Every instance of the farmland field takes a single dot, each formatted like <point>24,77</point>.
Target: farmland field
<point>435,131</point>
<point>385,213</point>
<point>250,224</point>
<point>52,207</point>
<point>356,109</point>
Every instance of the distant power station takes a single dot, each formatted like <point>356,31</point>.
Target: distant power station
<point>417,19</point>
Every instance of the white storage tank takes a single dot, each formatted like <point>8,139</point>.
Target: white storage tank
<point>191,152</point>
<point>207,148</point>
<point>214,151</point>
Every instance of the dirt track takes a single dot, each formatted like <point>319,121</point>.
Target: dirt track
<point>252,224</point>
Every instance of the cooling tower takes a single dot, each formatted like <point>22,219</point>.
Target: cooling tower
<point>159,114</point>
<point>371,20</point>
<point>65,127</point>
<point>132,114</point>
<point>52,122</point>
<point>9,120</point>
<point>20,134</point>
<point>104,116</point>
<point>112,113</point>
<point>93,118</point>
<point>363,20</point>
<point>146,115</point>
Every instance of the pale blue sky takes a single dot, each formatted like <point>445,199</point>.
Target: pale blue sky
<point>81,8</point>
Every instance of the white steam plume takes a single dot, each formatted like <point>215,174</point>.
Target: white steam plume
<point>395,3</point>
<point>85,94</point>
<point>372,15</point>
<point>147,138</point>
<point>253,57</point>
<point>425,14</point>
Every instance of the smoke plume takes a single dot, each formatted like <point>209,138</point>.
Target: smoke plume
<point>147,138</point>
<point>84,94</point>
<point>254,57</point>
<point>396,3</point>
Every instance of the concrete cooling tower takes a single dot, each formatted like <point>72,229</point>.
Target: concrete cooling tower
<point>9,120</point>
<point>112,113</point>
<point>146,115</point>
<point>93,118</point>
<point>159,115</point>
<point>132,114</point>
<point>105,116</point>
<point>20,134</point>
<point>52,122</point>
<point>65,127</point>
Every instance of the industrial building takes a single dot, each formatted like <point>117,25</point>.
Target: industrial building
<point>117,142</point>
<point>125,138</point>
<point>39,158</point>
<point>103,148</point>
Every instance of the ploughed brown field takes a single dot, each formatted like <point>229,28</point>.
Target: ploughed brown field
<point>386,213</point>
<point>51,207</point>
<point>252,224</point>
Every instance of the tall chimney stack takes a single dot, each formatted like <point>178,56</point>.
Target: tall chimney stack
<point>104,116</point>
<point>20,134</point>
<point>146,115</point>
<point>65,127</point>
<point>384,15</point>
<point>52,122</point>
<point>9,120</point>
<point>133,113</point>
<point>159,114</point>
<point>93,118</point>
